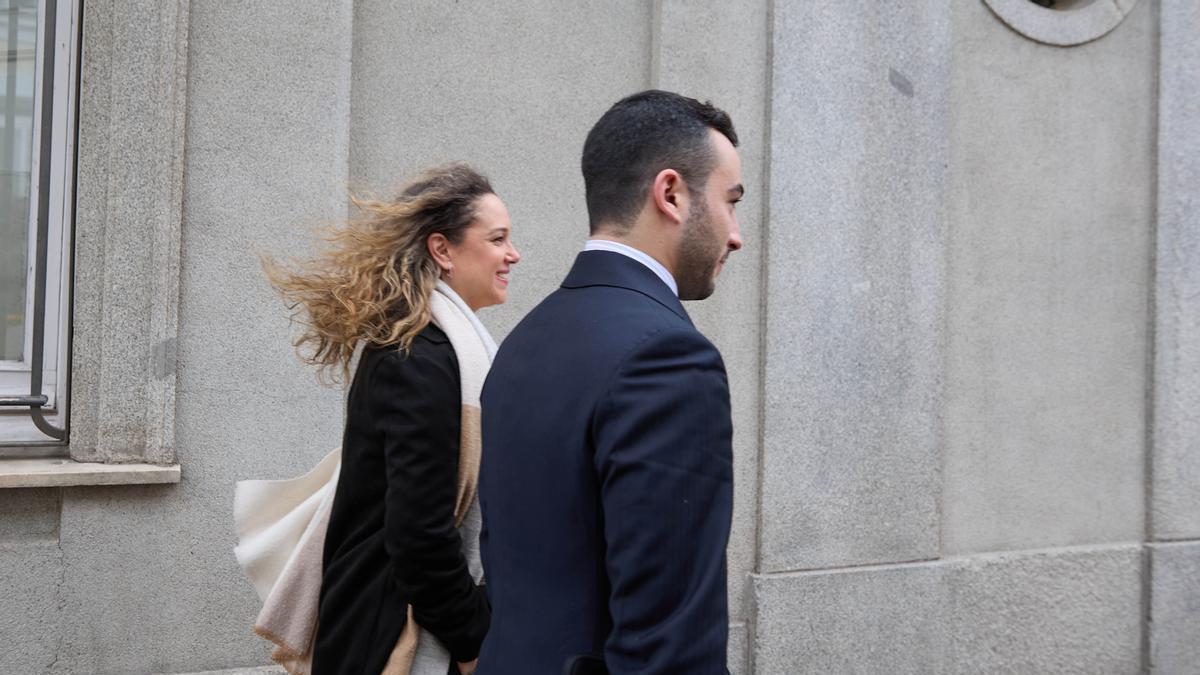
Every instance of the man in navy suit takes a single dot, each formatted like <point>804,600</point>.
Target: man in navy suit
<point>607,475</point>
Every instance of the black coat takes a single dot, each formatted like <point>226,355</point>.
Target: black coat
<point>606,483</point>
<point>391,540</point>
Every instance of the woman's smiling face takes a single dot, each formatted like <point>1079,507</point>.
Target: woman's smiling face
<point>483,258</point>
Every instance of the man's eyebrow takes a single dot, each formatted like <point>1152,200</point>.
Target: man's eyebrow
<point>737,191</point>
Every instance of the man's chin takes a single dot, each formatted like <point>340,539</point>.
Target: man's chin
<point>698,292</point>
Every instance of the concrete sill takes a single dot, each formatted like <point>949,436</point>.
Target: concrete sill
<point>62,472</point>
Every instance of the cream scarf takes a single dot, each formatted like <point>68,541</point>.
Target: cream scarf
<point>281,523</point>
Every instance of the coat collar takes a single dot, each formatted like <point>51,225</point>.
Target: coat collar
<point>605,268</point>
<point>433,333</point>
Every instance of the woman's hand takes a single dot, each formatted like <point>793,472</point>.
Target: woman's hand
<point>467,668</point>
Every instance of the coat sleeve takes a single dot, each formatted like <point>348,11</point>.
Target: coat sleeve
<point>418,412</point>
<point>663,454</point>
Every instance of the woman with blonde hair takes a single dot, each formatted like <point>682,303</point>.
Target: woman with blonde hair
<point>399,589</point>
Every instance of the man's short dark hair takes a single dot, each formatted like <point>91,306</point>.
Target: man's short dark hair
<point>637,138</point>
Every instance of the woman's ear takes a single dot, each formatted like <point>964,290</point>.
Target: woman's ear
<point>439,249</point>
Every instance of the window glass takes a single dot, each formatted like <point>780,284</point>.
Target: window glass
<point>19,33</point>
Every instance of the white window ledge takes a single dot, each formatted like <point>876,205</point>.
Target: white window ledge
<point>63,472</point>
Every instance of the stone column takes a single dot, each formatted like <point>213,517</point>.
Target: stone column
<point>132,112</point>
<point>854,316</point>
<point>717,50</point>
<point>1175,462</point>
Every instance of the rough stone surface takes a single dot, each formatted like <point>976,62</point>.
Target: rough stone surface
<point>733,78</point>
<point>1175,608</point>
<point>29,515</point>
<point>30,618</point>
<point>738,655</point>
<point>1057,611</point>
<point>1061,611</point>
<point>854,310</point>
<point>1049,263</point>
<point>1176,474</point>
<point>1062,27</point>
<point>31,570</point>
<point>878,619</point>
<point>152,584</point>
<point>515,97</point>
<point>131,546</point>
<point>127,230</point>
<point>152,565</point>
<point>267,164</point>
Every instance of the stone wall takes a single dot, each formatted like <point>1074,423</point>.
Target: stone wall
<point>963,336</point>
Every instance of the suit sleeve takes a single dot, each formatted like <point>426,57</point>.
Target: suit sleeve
<point>418,407</point>
<point>663,453</point>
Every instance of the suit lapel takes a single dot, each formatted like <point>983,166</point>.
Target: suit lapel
<point>605,268</point>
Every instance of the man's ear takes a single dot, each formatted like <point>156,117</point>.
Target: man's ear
<point>670,195</point>
<point>439,249</point>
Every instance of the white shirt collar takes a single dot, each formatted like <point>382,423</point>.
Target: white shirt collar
<point>640,256</point>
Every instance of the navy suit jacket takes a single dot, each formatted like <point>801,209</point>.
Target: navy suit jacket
<point>606,483</point>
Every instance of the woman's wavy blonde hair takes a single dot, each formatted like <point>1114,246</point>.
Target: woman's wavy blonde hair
<point>372,280</point>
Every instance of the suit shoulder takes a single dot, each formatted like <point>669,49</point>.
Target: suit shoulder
<point>674,340</point>
<point>621,307</point>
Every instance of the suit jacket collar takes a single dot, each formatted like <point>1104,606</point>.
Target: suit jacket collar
<point>605,268</point>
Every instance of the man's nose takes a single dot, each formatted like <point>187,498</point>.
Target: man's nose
<point>735,239</point>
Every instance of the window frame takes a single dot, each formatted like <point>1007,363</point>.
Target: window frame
<point>18,431</point>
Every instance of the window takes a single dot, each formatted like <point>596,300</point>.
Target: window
<point>37,149</point>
